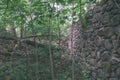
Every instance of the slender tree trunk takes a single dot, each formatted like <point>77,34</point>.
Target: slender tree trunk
<point>13,30</point>
<point>72,45</point>
<point>21,31</point>
<point>50,40</point>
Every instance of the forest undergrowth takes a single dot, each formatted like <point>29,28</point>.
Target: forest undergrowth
<point>26,62</point>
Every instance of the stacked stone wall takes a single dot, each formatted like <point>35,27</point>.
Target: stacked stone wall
<point>101,38</point>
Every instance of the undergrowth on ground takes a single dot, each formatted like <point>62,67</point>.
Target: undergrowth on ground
<point>37,67</point>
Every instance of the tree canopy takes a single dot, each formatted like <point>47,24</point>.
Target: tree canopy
<point>28,17</point>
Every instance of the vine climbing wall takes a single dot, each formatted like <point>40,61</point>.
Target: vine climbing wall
<point>99,42</point>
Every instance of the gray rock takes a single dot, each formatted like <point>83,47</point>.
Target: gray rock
<point>105,18</point>
<point>118,51</point>
<point>113,74</point>
<point>108,44</point>
<point>100,32</point>
<point>117,30</point>
<point>93,74</point>
<point>118,72</point>
<point>118,1</point>
<point>98,55</point>
<point>93,54</point>
<point>76,58</point>
<point>98,41</point>
<point>105,56</point>
<point>109,6</point>
<point>116,54</point>
<point>102,49</point>
<point>113,79</point>
<point>114,62</point>
<point>92,61</point>
<point>114,37</point>
<point>115,11</point>
<point>115,21</point>
<point>106,66</point>
<point>97,17</point>
<point>100,73</point>
<point>97,9</point>
<point>108,32</point>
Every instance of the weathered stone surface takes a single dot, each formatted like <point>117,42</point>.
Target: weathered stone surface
<point>114,61</point>
<point>115,20</point>
<point>101,39</point>
<point>98,41</point>
<point>118,1</point>
<point>105,56</point>
<point>100,32</point>
<point>92,61</point>
<point>113,79</point>
<point>108,44</point>
<point>97,17</point>
<point>97,9</point>
<point>93,74</point>
<point>106,18</point>
<point>117,30</point>
<point>108,32</point>
<point>118,72</point>
<point>109,6</point>
<point>98,65</point>
<point>76,58</point>
<point>115,44</point>
<point>114,11</point>
<point>118,51</point>
<point>113,74</point>
<point>93,54</point>
<point>98,55</point>
<point>100,73</point>
<point>114,37</point>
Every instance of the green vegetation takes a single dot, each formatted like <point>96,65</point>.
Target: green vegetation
<point>32,29</point>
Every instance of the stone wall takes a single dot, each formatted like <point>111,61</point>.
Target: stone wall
<point>101,40</point>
